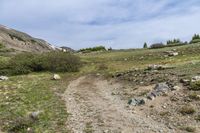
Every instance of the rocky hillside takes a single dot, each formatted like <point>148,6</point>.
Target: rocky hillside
<point>15,41</point>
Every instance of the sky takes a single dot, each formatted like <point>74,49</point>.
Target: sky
<point>118,24</point>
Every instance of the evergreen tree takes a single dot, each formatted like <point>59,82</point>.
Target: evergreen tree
<point>145,45</point>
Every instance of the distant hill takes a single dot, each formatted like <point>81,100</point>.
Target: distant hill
<point>15,41</point>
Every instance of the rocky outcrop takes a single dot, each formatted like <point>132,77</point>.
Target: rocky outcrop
<point>16,41</point>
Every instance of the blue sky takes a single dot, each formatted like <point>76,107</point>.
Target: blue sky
<point>112,23</point>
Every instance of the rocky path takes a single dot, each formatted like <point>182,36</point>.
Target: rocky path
<point>93,108</point>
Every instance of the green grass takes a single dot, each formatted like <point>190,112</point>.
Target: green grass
<point>128,59</point>
<point>34,92</point>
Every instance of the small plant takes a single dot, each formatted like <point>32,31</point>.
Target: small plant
<point>102,67</point>
<point>197,118</point>
<point>194,96</point>
<point>189,129</point>
<point>1,46</point>
<point>195,86</point>
<point>187,109</point>
<point>88,128</point>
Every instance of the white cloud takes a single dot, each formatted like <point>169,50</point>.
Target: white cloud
<point>116,23</point>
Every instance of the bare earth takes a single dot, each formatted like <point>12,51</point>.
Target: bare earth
<point>93,108</point>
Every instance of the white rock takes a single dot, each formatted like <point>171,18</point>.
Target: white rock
<point>56,77</point>
<point>176,88</point>
<point>3,78</point>
<point>195,78</point>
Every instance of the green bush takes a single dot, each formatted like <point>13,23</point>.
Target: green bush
<point>53,62</point>
<point>98,48</point>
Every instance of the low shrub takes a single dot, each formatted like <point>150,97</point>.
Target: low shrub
<point>194,96</point>
<point>195,86</point>
<point>189,129</point>
<point>54,62</point>
<point>188,109</point>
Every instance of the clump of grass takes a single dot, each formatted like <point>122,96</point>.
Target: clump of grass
<point>187,109</point>
<point>1,46</point>
<point>102,67</point>
<point>195,86</point>
<point>189,129</point>
<point>88,128</point>
<point>197,118</point>
<point>194,96</point>
<point>164,113</point>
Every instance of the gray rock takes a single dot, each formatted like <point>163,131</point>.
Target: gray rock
<point>34,115</point>
<point>136,101</point>
<point>3,78</point>
<point>159,90</point>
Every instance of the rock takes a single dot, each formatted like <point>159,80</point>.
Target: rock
<point>176,88</point>
<point>3,78</point>
<point>195,79</point>
<point>136,101</point>
<point>155,67</point>
<point>56,77</point>
<point>185,81</point>
<point>34,115</point>
<point>159,89</point>
<point>172,53</point>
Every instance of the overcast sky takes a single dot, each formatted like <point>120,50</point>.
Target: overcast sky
<point>115,23</point>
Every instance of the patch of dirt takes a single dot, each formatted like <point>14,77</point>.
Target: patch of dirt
<point>94,108</point>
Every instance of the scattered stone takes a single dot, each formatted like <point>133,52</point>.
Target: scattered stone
<point>185,82</point>
<point>176,88</point>
<point>172,53</point>
<point>56,77</point>
<point>136,102</point>
<point>34,115</point>
<point>2,78</point>
<point>155,67</point>
<point>195,79</point>
<point>159,90</point>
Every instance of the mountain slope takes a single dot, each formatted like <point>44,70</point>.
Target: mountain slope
<point>17,41</point>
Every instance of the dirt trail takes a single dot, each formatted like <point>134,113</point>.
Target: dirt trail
<point>93,108</point>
